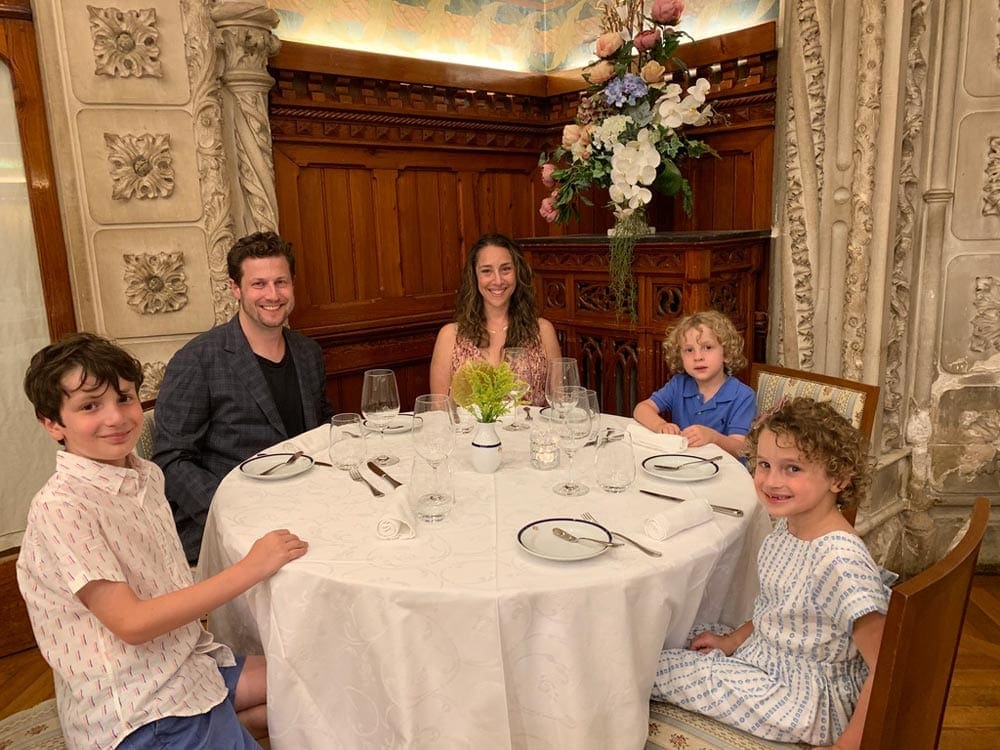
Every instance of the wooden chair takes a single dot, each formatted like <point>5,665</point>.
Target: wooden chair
<point>919,646</point>
<point>857,402</point>
<point>912,673</point>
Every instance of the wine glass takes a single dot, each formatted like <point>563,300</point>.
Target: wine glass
<point>347,441</point>
<point>511,355</point>
<point>434,440</point>
<point>380,404</point>
<point>574,430</point>
<point>562,372</point>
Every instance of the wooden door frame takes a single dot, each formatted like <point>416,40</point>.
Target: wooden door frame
<point>19,51</point>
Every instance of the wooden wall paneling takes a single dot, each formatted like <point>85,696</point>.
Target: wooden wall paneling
<point>20,53</point>
<point>338,250</point>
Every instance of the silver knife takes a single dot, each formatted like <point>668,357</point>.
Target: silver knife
<point>379,471</point>
<point>717,508</point>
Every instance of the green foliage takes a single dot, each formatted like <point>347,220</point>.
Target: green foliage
<point>487,391</point>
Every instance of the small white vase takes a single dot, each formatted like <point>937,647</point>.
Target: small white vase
<point>486,448</point>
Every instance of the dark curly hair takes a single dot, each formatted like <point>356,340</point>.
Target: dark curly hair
<point>720,326</point>
<point>258,245</point>
<point>823,436</point>
<point>98,359</point>
<point>522,327</point>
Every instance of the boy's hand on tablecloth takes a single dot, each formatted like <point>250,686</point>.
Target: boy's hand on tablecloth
<point>698,435</point>
<point>274,550</point>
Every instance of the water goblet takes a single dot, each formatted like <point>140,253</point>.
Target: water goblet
<point>615,462</point>
<point>347,441</point>
<point>574,430</point>
<point>594,406</point>
<point>562,371</point>
<point>512,356</point>
<point>433,429</point>
<point>380,404</point>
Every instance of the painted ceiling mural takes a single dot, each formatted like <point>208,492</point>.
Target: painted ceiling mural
<point>525,35</point>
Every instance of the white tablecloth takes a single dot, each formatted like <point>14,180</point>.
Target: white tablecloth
<point>459,638</point>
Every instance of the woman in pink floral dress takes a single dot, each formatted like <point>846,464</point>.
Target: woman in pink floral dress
<point>495,310</point>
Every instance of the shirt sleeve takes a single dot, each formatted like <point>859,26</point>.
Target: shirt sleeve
<point>666,397</point>
<point>75,537</point>
<point>849,582</point>
<point>744,411</point>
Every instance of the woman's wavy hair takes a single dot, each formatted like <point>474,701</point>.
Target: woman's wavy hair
<point>720,326</point>
<point>522,326</point>
<point>821,435</point>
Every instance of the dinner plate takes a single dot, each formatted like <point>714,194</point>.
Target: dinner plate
<point>538,539</point>
<point>256,466</point>
<point>692,473</point>
<point>395,427</point>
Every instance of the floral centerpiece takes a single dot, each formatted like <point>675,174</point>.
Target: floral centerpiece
<point>487,391</point>
<point>628,133</point>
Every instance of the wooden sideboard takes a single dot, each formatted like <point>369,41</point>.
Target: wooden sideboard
<point>677,273</point>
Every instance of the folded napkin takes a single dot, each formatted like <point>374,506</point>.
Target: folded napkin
<point>683,516</point>
<point>397,522</point>
<point>654,441</point>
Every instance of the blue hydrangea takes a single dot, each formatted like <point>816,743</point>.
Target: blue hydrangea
<point>625,90</point>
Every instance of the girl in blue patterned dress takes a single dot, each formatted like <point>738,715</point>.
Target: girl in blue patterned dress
<point>800,669</point>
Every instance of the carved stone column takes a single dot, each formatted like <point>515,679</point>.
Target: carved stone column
<point>246,42</point>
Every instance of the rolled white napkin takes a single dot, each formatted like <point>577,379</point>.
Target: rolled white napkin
<point>397,522</point>
<point>675,520</point>
<point>654,441</point>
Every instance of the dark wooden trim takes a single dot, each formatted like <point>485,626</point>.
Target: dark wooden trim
<point>18,50</point>
<point>16,634</point>
<point>329,60</point>
<point>20,9</point>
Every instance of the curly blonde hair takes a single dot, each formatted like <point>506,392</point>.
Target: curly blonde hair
<point>720,326</point>
<point>823,436</point>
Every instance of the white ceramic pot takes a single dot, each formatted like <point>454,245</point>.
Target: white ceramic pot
<point>486,448</point>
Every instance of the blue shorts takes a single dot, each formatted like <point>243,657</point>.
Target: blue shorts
<point>217,729</point>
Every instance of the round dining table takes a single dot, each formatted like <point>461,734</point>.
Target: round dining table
<point>459,637</point>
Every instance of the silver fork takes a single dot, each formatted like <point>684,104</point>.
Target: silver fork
<point>633,542</point>
<point>356,476</point>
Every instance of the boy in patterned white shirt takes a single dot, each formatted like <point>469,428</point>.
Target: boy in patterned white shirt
<point>111,598</point>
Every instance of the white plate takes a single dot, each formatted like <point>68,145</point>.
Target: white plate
<point>395,427</point>
<point>256,466</point>
<point>538,539</point>
<point>692,473</point>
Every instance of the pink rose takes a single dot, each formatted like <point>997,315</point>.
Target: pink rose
<point>599,72</point>
<point>646,40</point>
<point>548,210</point>
<point>667,12</point>
<point>608,43</point>
<point>547,170</point>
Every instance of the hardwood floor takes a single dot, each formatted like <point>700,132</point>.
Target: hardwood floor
<point>971,721</point>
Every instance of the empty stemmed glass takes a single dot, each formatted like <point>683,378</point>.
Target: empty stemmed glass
<point>562,372</point>
<point>511,355</point>
<point>433,440</point>
<point>380,404</point>
<point>573,415</point>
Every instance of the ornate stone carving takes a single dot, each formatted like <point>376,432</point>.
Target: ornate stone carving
<point>152,377</point>
<point>906,227</point>
<point>986,320</point>
<point>245,41</point>
<point>203,64</point>
<point>991,185</point>
<point>140,165</point>
<point>125,42</point>
<point>980,453</point>
<point>156,283</point>
<point>814,70</point>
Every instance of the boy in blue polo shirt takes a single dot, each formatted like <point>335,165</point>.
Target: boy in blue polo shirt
<point>109,592</point>
<point>706,403</point>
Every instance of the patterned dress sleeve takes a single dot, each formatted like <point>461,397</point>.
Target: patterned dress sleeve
<point>848,582</point>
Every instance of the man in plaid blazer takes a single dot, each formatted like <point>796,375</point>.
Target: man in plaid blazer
<point>239,388</point>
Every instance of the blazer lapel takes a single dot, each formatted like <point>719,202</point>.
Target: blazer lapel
<point>247,371</point>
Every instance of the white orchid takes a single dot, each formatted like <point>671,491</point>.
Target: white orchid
<point>634,164</point>
<point>607,132</point>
